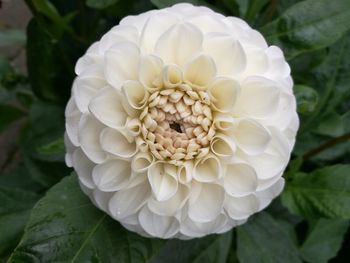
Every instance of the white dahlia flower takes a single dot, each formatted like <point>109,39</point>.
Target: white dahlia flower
<point>181,122</point>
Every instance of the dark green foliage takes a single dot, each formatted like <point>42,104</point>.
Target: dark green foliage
<point>309,223</point>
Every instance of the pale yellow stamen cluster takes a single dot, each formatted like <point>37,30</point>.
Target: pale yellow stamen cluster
<point>177,124</point>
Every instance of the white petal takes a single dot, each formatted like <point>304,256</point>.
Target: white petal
<point>136,179</point>
<point>179,43</point>
<point>70,148</point>
<point>285,112</point>
<point>142,161</point>
<point>172,205</point>
<point>224,93</point>
<point>158,226</point>
<point>278,67</point>
<point>89,138</point>
<point>207,23</point>
<point>257,61</point>
<point>90,58</point>
<point>87,85</point>
<point>240,208</point>
<point>224,122</point>
<point>185,172</point>
<point>207,169</point>
<point>112,175</point>
<point>207,204</point>
<point>265,197</point>
<point>172,76</point>
<point>223,146</point>
<point>162,178</point>
<point>119,33</point>
<point>154,28</point>
<point>200,70</point>
<point>240,179</point>
<point>73,116</point>
<point>121,63</point>
<point>83,167</point>
<point>227,53</point>
<point>127,202</point>
<point>101,199</point>
<point>132,128</point>
<point>267,165</point>
<point>259,97</point>
<point>149,70</point>
<point>135,94</point>
<point>108,108</point>
<point>251,136</point>
<point>195,229</point>
<point>114,142</point>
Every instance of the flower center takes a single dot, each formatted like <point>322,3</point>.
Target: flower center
<point>177,124</point>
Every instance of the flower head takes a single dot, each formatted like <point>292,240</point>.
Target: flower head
<point>181,122</point>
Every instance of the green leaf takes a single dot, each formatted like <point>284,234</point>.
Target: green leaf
<point>254,7</point>
<point>331,125</point>
<point>65,226</point>
<point>210,249</point>
<point>100,4</point>
<point>332,81</point>
<point>14,213</point>
<point>9,114</point>
<point>12,37</point>
<point>307,99</point>
<point>47,8</point>
<point>322,193</point>
<point>49,67</point>
<point>53,150</point>
<point>324,240</point>
<point>5,67</point>
<point>309,25</point>
<point>263,239</point>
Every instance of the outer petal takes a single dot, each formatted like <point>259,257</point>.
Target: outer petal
<point>195,229</point>
<point>227,53</point>
<point>108,108</point>
<point>155,27</point>
<point>90,58</point>
<point>87,85</point>
<point>127,202</point>
<point>121,63</point>
<point>158,226</point>
<point>265,197</point>
<point>240,179</point>
<point>70,148</point>
<point>200,70</point>
<point>112,175</point>
<point>150,67</point>
<point>89,138</point>
<point>180,42</point>
<point>259,98</point>
<point>240,208</point>
<point>224,93</point>
<point>172,205</point>
<point>251,137</point>
<point>83,166</point>
<point>206,202</point>
<point>73,116</point>
<point>115,142</point>
<point>162,178</point>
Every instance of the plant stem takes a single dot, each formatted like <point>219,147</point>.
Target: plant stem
<point>326,146</point>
